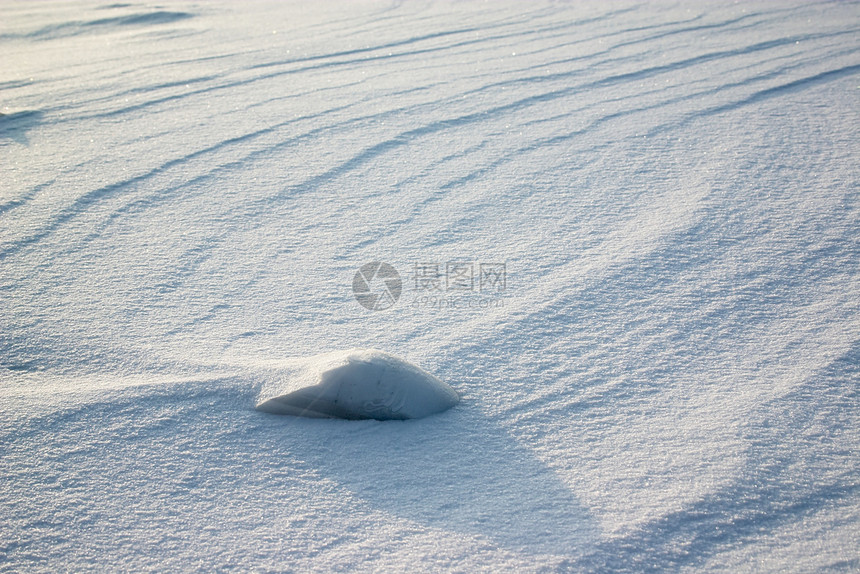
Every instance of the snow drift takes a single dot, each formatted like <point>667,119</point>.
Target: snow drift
<point>188,191</point>
<point>358,384</point>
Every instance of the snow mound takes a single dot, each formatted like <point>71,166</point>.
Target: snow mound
<point>356,384</point>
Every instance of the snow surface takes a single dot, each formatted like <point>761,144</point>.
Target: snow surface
<point>669,380</point>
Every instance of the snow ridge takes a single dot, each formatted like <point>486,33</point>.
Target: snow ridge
<point>667,382</point>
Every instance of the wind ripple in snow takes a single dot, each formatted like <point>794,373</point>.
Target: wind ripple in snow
<point>670,384</point>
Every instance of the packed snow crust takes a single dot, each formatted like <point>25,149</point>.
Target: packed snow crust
<point>356,384</point>
<point>668,379</point>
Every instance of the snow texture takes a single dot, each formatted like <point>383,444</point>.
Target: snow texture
<point>354,385</point>
<point>669,380</point>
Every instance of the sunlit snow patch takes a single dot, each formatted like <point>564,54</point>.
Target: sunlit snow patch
<point>356,384</point>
